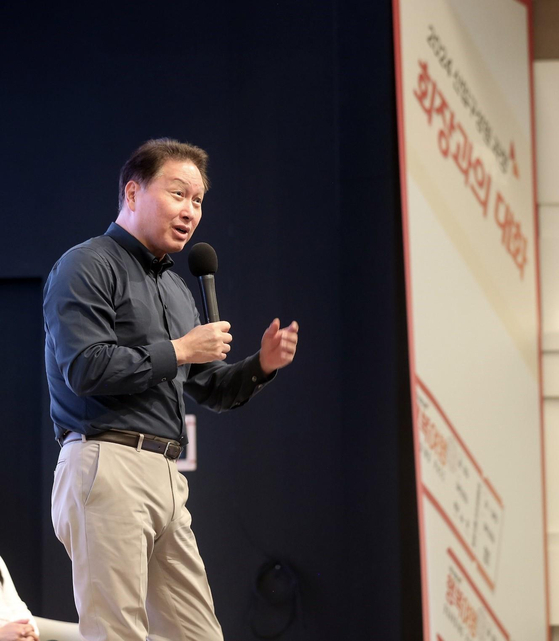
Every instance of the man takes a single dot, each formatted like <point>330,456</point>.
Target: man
<point>123,342</point>
<point>16,622</point>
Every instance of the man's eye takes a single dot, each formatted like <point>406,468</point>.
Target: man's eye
<point>198,201</point>
<point>179,193</point>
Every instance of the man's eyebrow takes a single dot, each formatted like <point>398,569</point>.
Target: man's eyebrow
<point>183,182</point>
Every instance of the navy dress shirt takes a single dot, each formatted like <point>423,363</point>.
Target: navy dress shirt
<point>111,309</point>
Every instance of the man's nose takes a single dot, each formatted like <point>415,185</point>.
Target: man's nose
<point>188,210</point>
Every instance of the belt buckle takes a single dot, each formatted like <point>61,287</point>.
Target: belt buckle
<point>166,449</point>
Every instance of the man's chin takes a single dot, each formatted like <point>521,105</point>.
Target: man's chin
<point>176,247</point>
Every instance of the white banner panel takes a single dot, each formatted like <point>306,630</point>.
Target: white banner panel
<point>467,174</point>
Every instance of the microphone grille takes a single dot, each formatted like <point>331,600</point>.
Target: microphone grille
<point>202,260</point>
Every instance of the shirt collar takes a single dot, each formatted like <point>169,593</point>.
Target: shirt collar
<point>140,252</point>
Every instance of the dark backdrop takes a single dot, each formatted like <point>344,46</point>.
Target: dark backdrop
<point>295,103</point>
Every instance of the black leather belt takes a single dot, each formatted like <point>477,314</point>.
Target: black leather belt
<point>169,449</point>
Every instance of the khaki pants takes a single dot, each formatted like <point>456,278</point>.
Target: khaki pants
<point>137,572</point>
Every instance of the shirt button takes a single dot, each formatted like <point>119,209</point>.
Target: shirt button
<point>254,379</point>
<point>163,380</point>
<point>258,387</point>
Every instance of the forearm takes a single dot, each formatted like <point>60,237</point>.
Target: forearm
<point>219,386</point>
<point>113,370</point>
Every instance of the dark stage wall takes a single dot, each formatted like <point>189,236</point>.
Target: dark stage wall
<point>295,103</point>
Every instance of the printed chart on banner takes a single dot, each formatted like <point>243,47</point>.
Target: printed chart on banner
<point>455,484</point>
<point>465,612</point>
<point>460,607</point>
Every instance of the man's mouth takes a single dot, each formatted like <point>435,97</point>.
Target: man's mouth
<point>182,230</point>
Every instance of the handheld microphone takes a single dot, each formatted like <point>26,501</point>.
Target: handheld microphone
<point>202,262</point>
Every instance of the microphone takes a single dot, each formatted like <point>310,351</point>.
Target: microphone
<point>202,262</point>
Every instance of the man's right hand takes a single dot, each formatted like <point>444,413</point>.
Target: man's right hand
<point>18,630</point>
<point>203,344</point>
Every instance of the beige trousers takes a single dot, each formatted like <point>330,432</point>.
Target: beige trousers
<point>137,572</point>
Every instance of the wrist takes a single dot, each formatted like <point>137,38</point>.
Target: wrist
<point>265,367</point>
<point>180,351</point>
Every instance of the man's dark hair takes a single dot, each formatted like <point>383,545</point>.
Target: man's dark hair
<point>144,164</point>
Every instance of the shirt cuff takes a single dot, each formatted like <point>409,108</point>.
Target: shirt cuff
<point>163,362</point>
<point>255,379</point>
<point>258,377</point>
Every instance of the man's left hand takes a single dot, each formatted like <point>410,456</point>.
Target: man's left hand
<point>278,346</point>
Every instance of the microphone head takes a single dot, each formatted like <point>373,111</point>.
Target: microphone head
<point>202,260</point>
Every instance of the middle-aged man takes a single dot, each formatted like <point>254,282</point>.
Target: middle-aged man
<point>123,342</point>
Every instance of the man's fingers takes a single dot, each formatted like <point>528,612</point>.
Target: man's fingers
<point>294,327</point>
<point>289,337</point>
<point>223,326</point>
<point>273,328</point>
<point>288,347</point>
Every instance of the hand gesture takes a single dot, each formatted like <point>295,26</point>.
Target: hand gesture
<point>278,346</point>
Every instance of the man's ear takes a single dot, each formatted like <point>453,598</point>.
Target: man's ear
<point>130,194</point>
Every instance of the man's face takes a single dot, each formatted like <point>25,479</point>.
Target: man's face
<point>167,211</point>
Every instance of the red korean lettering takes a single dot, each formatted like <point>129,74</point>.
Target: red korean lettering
<point>481,184</point>
<point>462,154</point>
<point>425,92</point>
<point>445,133</point>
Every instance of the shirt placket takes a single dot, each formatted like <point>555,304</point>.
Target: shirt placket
<point>164,308</point>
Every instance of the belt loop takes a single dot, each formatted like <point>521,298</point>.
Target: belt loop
<point>140,442</point>
<point>60,439</point>
<point>84,439</point>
